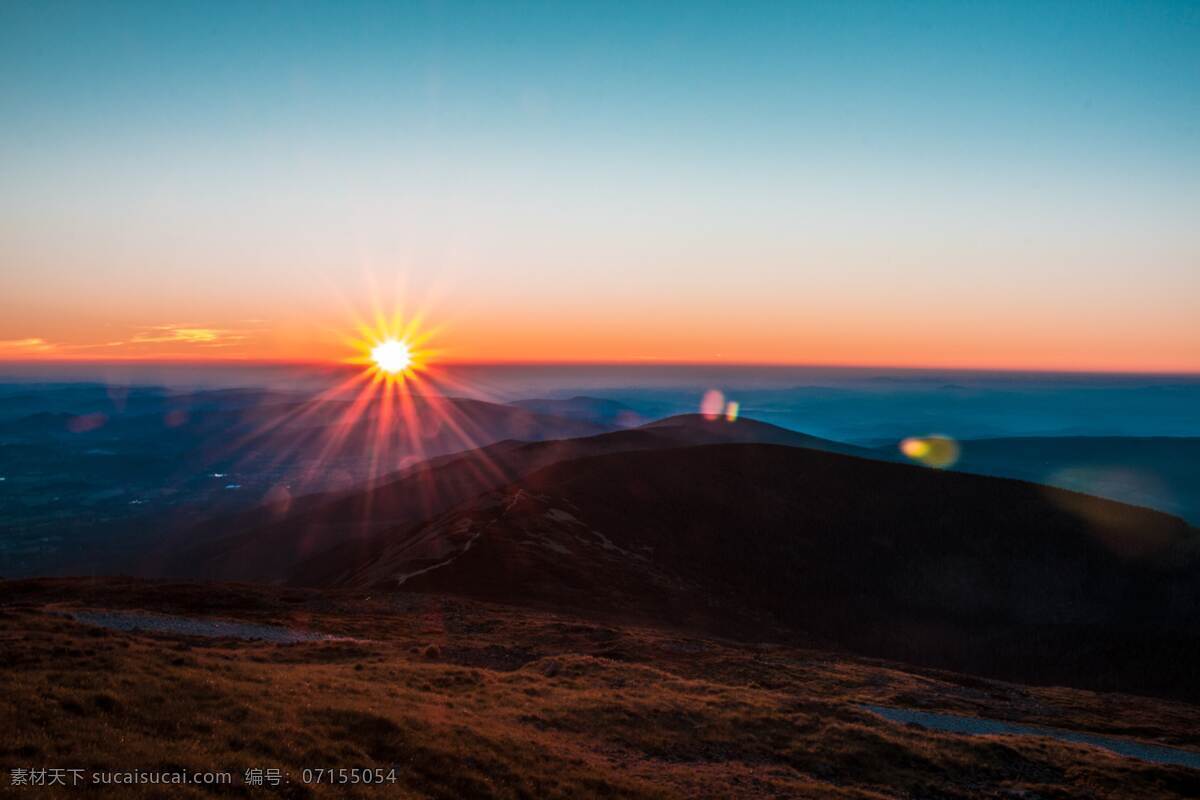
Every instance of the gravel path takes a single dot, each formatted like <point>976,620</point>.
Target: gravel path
<point>955,723</point>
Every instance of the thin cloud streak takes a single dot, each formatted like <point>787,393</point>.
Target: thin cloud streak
<point>155,340</point>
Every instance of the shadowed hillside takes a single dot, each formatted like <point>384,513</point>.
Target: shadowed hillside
<point>265,543</point>
<point>979,573</point>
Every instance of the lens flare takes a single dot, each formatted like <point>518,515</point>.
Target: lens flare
<point>390,411</point>
<point>712,404</point>
<point>387,407</point>
<point>935,450</point>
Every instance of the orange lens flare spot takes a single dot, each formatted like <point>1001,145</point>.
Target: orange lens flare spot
<point>914,448</point>
<point>391,356</point>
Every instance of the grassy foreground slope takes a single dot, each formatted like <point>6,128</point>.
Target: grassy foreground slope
<point>467,699</point>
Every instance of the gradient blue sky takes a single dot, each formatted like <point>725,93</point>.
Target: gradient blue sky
<point>968,184</point>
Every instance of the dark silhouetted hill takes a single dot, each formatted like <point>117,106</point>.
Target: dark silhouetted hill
<point>976,573</point>
<point>265,543</point>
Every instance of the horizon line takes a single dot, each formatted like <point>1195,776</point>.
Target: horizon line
<point>640,362</point>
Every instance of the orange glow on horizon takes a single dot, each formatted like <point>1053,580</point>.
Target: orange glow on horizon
<point>494,336</point>
<point>319,361</point>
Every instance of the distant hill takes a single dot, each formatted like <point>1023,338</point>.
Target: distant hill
<point>697,429</point>
<point>593,409</point>
<point>957,570</point>
<point>1156,472</point>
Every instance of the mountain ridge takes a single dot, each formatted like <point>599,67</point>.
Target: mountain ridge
<point>870,554</point>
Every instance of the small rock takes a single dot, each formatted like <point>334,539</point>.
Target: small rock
<point>551,669</point>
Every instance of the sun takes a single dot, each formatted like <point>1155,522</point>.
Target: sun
<point>391,350</point>
<point>392,356</point>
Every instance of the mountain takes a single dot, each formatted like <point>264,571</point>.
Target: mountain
<point>109,470</point>
<point>593,409</point>
<point>264,544</point>
<point>1159,472</point>
<point>954,570</point>
<point>697,429</point>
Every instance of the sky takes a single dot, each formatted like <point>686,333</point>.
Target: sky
<point>991,185</point>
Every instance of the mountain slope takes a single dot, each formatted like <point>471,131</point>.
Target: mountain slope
<point>266,543</point>
<point>141,485</point>
<point>886,558</point>
<point>453,698</point>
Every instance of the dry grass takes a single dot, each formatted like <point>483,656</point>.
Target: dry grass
<point>470,700</point>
